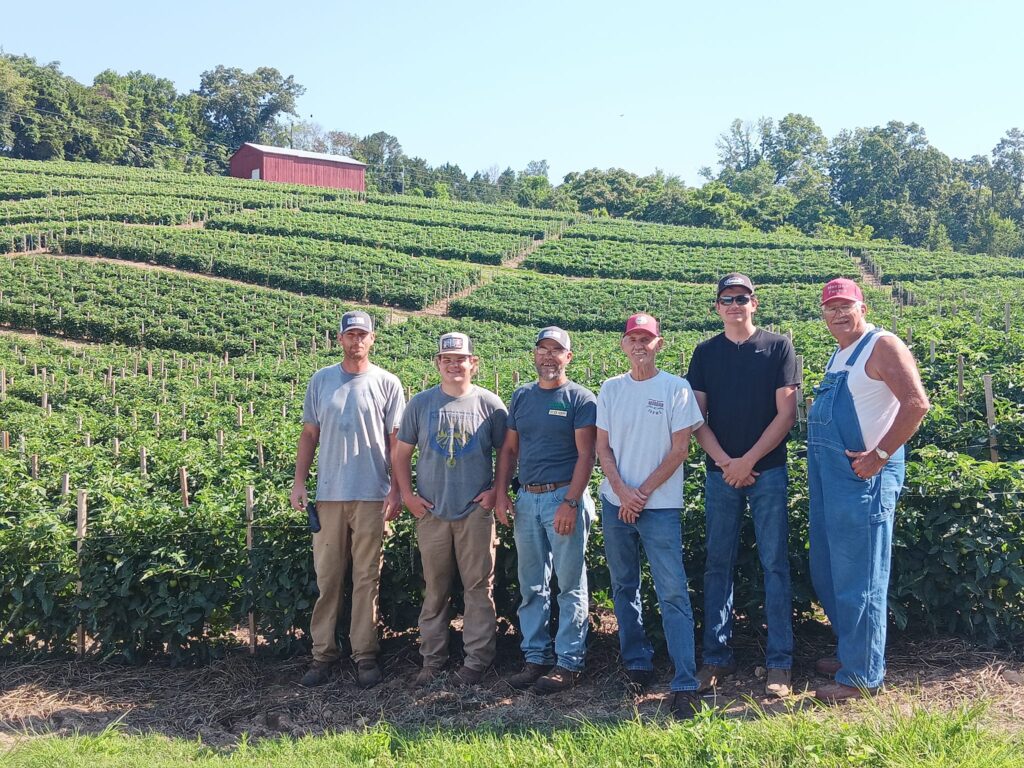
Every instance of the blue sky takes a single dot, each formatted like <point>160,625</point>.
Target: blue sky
<point>639,85</point>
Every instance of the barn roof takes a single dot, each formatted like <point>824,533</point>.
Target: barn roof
<point>303,153</point>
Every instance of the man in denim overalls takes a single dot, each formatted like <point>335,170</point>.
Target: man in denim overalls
<point>869,404</point>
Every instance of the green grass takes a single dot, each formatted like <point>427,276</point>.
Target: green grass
<point>867,736</point>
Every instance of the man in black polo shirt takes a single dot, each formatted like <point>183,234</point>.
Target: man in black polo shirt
<point>745,381</point>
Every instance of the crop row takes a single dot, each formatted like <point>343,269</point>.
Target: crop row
<point>498,209</point>
<point>111,302</point>
<point>134,209</point>
<point>904,266</point>
<point>688,263</point>
<point>292,263</point>
<point>438,242</point>
<point>605,304</point>
<point>533,228</point>
<point>667,234</point>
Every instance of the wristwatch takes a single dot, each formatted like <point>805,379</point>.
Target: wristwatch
<point>883,455</point>
<point>574,503</point>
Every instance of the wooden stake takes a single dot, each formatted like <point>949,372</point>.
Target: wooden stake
<point>960,378</point>
<point>931,351</point>
<point>34,466</point>
<point>1006,317</point>
<point>249,505</point>
<point>65,484</point>
<point>990,415</point>
<point>259,453</point>
<point>183,480</point>
<point>117,446</point>
<point>143,463</point>
<point>220,441</point>
<point>81,526</point>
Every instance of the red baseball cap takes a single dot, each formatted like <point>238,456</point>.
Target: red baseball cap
<point>841,288</point>
<point>641,321</point>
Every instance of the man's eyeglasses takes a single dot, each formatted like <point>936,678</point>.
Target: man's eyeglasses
<point>841,309</point>
<point>742,299</point>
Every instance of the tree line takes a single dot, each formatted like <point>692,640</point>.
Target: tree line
<point>775,176</point>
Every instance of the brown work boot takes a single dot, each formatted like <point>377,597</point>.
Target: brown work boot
<point>528,675</point>
<point>558,679</point>
<point>685,704</point>
<point>319,672</point>
<point>827,666</point>
<point>426,676</point>
<point>837,693</point>
<point>779,683</point>
<point>468,676</point>
<point>711,675</point>
<point>368,673</point>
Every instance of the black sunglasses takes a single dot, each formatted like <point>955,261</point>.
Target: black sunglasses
<point>742,299</point>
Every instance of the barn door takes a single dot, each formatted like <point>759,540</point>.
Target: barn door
<point>256,174</point>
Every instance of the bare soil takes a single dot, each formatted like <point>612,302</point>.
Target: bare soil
<point>259,696</point>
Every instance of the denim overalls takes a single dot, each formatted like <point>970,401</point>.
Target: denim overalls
<point>850,528</point>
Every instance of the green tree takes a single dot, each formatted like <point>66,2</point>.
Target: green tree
<point>243,106</point>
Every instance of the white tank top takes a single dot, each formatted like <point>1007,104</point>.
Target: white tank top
<point>874,402</point>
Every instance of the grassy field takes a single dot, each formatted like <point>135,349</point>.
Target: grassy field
<point>868,736</point>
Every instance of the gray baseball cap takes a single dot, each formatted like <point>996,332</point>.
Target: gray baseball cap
<point>556,334</point>
<point>356,320</point>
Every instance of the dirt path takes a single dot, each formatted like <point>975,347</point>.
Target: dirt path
<point>440,308</point>
<point>259,697</point>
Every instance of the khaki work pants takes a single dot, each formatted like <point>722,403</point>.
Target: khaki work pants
<point>468,544</point>
<point>348,530</point>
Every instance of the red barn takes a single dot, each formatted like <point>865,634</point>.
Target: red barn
<point>296,166</point>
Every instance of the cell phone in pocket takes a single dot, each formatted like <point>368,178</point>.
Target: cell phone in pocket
<point>314,518</point>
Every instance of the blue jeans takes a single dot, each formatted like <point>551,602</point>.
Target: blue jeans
<point>723,512</point>
<point>660,532</point>
<point>850,531</point>
<point>539,548</point>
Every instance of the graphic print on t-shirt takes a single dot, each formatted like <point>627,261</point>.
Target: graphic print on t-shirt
<point>558,409</point>
<point>455,434</point>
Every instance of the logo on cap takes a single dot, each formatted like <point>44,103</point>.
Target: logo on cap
<point>451,342</point>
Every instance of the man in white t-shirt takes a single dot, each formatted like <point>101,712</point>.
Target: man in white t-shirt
<point>868,405</point>
<point>644,421</point>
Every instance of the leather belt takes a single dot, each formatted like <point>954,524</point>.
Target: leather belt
<point>544,487</point>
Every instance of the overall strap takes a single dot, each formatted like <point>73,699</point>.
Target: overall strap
<point>860,347</point>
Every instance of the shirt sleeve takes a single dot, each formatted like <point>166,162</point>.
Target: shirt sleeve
<point>309,414</point>
<point>695,373</point>
<point>395,405</point>
<point>685,411</point>
<point>788,374</point>
<point>499,421</point>
<point>409,429</point>
<point>585,412</point>
<point>513,404</point>
<point>602,408</point>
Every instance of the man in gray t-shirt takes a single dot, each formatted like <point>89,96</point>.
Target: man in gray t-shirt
<point>351,411</point>
<point>457,427</point>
